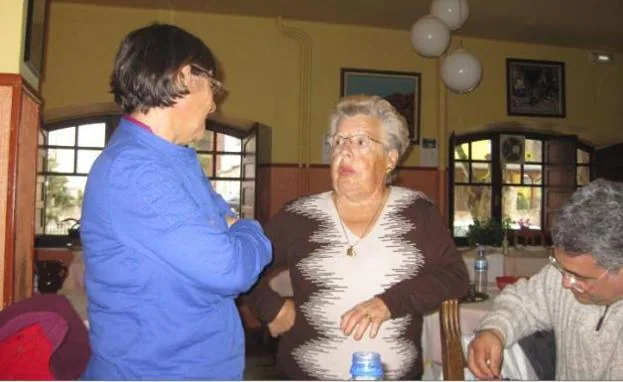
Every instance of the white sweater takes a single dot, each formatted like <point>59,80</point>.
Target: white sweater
<point>541,303</point>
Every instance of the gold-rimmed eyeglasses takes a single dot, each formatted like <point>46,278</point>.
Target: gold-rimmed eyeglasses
<point>357,142</point>
<point>581,284</point>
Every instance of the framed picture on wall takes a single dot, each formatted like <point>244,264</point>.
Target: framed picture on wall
<point>35,35</point>
<point>401,89</point>
<point>535,88</point>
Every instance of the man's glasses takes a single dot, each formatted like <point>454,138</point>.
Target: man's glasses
<point>581,284</point>
<point>358,142</point>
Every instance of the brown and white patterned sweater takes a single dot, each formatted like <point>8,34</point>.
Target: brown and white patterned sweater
<point>408,259</point>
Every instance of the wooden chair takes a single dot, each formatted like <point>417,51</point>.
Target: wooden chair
<point>451,348</point>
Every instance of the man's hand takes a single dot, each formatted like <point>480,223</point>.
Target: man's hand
<point>284,320</point>
<point>369,314</point>
<point>484,357</point>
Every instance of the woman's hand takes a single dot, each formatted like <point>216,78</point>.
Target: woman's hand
<point>284,320</point>
<point>484,355</point>
<point>231,220</point>
<point>369,314</point>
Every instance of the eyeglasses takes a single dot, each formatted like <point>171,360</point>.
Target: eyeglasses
<point>581,284</point>
<point>358,142</point>
<point>216,86</point>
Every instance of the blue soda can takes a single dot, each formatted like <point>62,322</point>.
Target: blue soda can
<point>366,366</point>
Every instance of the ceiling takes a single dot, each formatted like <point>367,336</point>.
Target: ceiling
<point>595,25</point>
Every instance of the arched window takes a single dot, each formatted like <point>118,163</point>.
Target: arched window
<point>513,177</point>
<point>68,148</point>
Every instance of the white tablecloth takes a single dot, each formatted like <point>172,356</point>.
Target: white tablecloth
<point>515,365</point>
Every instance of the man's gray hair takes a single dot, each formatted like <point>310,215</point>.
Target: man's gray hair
<point>393,123</point>
<point>591,222</point>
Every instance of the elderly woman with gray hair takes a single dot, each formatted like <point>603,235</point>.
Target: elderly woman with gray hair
<point>579,296</point>
<point>366,259</point>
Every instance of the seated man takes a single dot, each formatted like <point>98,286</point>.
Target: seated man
<point>583,308</point>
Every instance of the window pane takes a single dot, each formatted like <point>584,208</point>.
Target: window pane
<point>532,174</point>
<point>470,202</point>
<point>481,172</point>
<point>461,151</point>
<point>230,191</point>
<point>522,204</point>
<point>86,159</point>
<point>206,163</point>
<point>206,143</point>
<point>481,149</point>
<point>584,175</point>
<point>534,150</point>
<point>92,135</point>
<point>60,160</point>
<point>64,196</point>
<point>461,172</point>
<point>511,173</point>
<point>228,143</point>
<point>228,166</point>
<point>62,137</point>
<point>583,157</point>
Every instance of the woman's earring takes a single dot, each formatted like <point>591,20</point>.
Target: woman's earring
<point>389,169</point>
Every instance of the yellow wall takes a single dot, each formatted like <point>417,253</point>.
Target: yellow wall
<point>12,30</point>
<point>262,68</point>
<point>11,25</point>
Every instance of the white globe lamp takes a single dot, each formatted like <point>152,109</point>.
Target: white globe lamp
<point>453,13</point>
<point>461,71</point>
<point>430,36</point>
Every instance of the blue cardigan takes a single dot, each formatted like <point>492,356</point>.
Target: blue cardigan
<point>162,267</point>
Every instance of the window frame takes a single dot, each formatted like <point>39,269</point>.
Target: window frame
<point>496,183</point>
<point>112,121</point>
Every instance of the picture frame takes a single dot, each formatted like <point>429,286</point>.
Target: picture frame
<point>35,36</point>
<point>401,89</point>
<point>535,88</point>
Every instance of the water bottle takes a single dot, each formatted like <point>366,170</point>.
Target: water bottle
<point>480,270</point>
<point>366,366</point>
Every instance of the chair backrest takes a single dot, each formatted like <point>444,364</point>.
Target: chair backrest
<point>451,347</point>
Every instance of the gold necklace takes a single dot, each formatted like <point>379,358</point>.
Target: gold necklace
<point>350,251</point>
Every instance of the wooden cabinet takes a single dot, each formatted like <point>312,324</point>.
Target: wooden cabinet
<point>20,110</point>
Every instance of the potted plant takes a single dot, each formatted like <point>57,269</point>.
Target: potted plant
<point>488,232</point>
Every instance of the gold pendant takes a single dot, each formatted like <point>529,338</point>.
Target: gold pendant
<point>351,251</point>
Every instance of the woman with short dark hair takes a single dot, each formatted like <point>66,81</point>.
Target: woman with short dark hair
<point>165,257</point>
